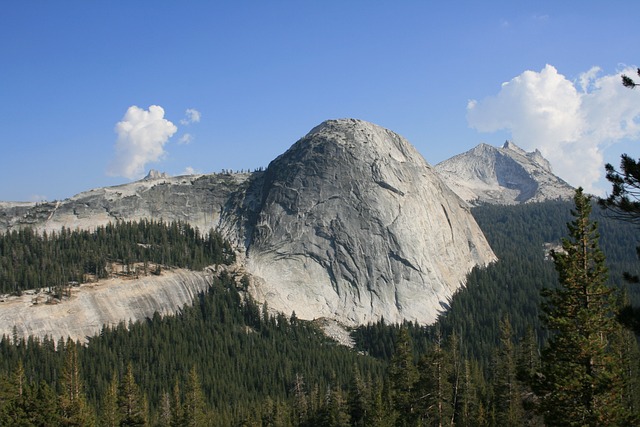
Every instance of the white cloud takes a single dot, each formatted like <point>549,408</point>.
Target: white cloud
<point>141,138</point>
<point>189,171</point>
<point>571,123</point>
<point>587,78</point>
<point>191,115</point>
<point>185,139</point>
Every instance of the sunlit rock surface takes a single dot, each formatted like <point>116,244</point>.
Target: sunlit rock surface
<point>355,225</point>
<point>105,303</point>
<point>349,224</point>
<point>507,175</point>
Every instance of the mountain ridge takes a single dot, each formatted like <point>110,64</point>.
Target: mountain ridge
<point>503,175</point>
<point>351,223</point>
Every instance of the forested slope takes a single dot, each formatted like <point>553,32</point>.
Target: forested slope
<point>227,361</point>
<point>521,236</point>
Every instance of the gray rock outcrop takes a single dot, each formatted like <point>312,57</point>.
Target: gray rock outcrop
<point>196,199</point>
<point>507,175</point>
<point>350,223</point>
<point>108,302</point>
<point>355,225</point>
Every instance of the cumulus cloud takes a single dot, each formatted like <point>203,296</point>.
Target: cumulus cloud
<point>571,123</point>
<point>191,115</point>
<point>142,135</point>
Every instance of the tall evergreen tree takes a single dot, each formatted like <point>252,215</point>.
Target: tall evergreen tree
<point>581,379</point>
<point>358,400</point>
<point>131,402</point>
<point>506,388</point>
<point>194,408</point>
<point>403,376</point>
<point>109,415</point>
<point>74,410</point>
<point>435,390</point>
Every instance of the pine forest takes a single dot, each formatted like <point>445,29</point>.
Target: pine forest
<point>535,339</point>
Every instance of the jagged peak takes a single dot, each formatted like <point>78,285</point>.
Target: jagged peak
<point>503,175</point>
<point>483,147</point>
<point>154,174</point>
<point>510,145</point>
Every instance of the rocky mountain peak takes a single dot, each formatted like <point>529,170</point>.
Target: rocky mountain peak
<point>509,145</point>
<point>506,175</point>
<point>154,174</point>
<point>355,225</point>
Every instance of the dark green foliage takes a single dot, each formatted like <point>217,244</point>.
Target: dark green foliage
<point>403,376</point>
<point>581,379</point>
<point>507,390</point>
<point>253,368</point>
<point>73,407</point>
<point>628,81</point>
<point>624,203</point>
<point>132,405</point>
<point>238,359</point>
<point>521,236</point>
<point>55,261</point>
<point>435,390</point>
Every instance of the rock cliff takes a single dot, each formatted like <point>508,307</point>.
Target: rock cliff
<point>506,175</point>
<point>350,223</point>
<point>108,302</point>
<point>355,225</point>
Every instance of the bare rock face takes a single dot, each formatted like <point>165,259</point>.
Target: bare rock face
<point>196,199</point>
<point>94,305</point>
<point>507,175</point>
<point>349,224</point>
<point>355,225</point>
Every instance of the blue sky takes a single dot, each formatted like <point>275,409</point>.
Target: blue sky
<point>97,93</point>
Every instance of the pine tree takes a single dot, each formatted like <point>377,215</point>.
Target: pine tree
<point>131,402</point>
<point>74,410</point>
<point>403,376</point>
<point>164,416</point>
<point>176,406</point>
<point>434,387</point>
<point>194,408</point>
<point>527,365</point>
<point>581,380</point>
<point>507,390</point>
<point>41,405</point>
<point>13,394</point>
<point>300,405</point>
<point>334,411</point>
<point>109,415</point>
<point>358,400</point>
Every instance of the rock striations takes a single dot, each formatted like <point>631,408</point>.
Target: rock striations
<point>355,225</point>
<point>507,175</point>
<point>104,303</point>
<point>350,223</point>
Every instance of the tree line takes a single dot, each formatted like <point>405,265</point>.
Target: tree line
<point>51,261</point>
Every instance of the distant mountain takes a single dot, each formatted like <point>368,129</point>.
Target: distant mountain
<point>507,175</point>
<point>350,223</point>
